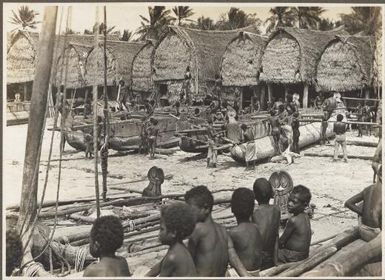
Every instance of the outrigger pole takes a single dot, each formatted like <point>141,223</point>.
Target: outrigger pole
<point>104,149</point>
<point>97,24</point>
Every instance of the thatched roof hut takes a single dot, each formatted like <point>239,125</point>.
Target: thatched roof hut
<point>141,79</point>
<point>21,57</point>
<point>291,54</point>
<point>346,64</point>
<point>201,50</point>
<point>120,55</point>
<point>241,61</point>
<point>76,55</point>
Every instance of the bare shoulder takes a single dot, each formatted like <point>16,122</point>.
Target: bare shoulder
<point>91,270</point>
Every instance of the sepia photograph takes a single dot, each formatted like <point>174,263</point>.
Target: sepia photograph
<point>192,139</point>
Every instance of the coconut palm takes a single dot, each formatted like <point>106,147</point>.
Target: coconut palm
<point>203,23</point>
<point>24,18</point>
<point>237,18</point>
<point>307,17</point>
<point>363,19</point>
<point>182,13</point>
<point>280,16</point>
<point>127,35</point>
<point>154,26</point>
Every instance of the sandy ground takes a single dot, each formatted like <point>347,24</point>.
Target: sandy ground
<point>331,183</point>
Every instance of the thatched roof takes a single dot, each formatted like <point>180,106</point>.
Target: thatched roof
<point>76,55</point>
<point>346,64</point>
<point>120,55</point>
<point>21,57</point>
<point>241,61</point>
<point>291,54</point>
<point>202,50</point>
<point>141,79</point>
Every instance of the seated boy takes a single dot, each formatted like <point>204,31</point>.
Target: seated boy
<point>105,238</point>
<point>267,218</point>
<point>371,209</point>
<point>14,253</point>
<point>246,237</point>
<point>209,245</point>
<point>294,243</point>
<point>177,222</point>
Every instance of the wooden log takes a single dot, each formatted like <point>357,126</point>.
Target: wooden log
<point>277,269</point>
<point>149,250</point>
<point>361,143</point>
<point>369,270</point>
<point>308,154</point>
<point>357,253</point>
<point>309,263</point>
<point>340,240</point>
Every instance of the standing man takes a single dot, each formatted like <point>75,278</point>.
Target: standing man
<point>340,131</point>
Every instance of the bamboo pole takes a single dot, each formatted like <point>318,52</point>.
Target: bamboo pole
<point>28,202</point>
<point>305,95</point>
<point>96,115</point>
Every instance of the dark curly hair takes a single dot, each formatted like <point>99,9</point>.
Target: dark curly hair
<point>14,251</point>
<point>303,193</point>
<point>242,203</point>
<point>263,190</point>
<point>108,232</point>
<point>202,196</point>
<point>179,218</point>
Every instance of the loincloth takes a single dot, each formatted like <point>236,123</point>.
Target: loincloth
<point>267,260</point>
<point>285,255</point>
<point>368,233</point>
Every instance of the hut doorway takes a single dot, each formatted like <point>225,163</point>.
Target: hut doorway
<point>278,92</point>
<point>247,95</point>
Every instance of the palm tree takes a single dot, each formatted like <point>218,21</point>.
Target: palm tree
<point>236,18</point>
<point>280,16</point>
<point>203,23</point>
<point>154,26</point>
<point>363,19</point>
<point>127,35</point>
<point>307,17</point>
<point>182,13</point>
<point>25,18</point>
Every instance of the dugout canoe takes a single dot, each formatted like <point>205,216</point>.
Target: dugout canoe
<point>264,147</point>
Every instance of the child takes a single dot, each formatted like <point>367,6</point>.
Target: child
<point>296,133</point>
<point>340,130</point>
<point>267,218</point>
<point>212,152</point>
<point>152,136</point>
<point>89,145</point>
<point>105,238</point>
<point>14,251</point>
<point>209,245</point>
<point>371,210</point>
<point>275,130</point>
<point>294,243</point>
<point>177,222</point>
<point>324,126</point>
<point>247,240</point>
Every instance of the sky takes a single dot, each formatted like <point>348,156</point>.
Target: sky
<point>126,15</point>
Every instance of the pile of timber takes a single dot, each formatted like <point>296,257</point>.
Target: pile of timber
<point>344,255</point>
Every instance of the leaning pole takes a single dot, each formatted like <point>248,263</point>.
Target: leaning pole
<point>28,202</point>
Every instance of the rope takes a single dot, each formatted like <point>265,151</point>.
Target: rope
<point>32,269</point>
<point>80,259</point>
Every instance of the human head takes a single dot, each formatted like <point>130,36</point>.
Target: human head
<point>289,98</point>
<point>340,117</point>
<point>281,108</point>
<point>299,199</point>
<point>296,114</point>
<point>201,200</point>
<point>177,222</point>
<point>14,249</point>
<point>242,204</point>
<point>263,191</point>
<point>243,126</point>
<point>106,236</point>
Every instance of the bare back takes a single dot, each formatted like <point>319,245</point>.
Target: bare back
<point>209,249</point>
<point>248,244</point>
<point>300,237</point>
<point>267,218</point>
<point>108,267</point>
<point>372,206</point>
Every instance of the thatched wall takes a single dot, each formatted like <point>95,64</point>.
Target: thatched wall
<point>200,49</point>
<point>21,57</point>
<point>346,64</point>
<point>241,61</point>
<point>142,69</point>
<point>119,62</point>
<point>77,55</point>
<point>290,51</point>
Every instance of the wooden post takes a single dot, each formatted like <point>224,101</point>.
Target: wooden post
<point>286,91</point>
<point>263,97</point>
<point>305,95</point>
<point>97,23</point>
<point>25,91</point>
<point>367,94</point>
<point>270,92</point>
<point>28,202</point>
<point>241,98</point>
